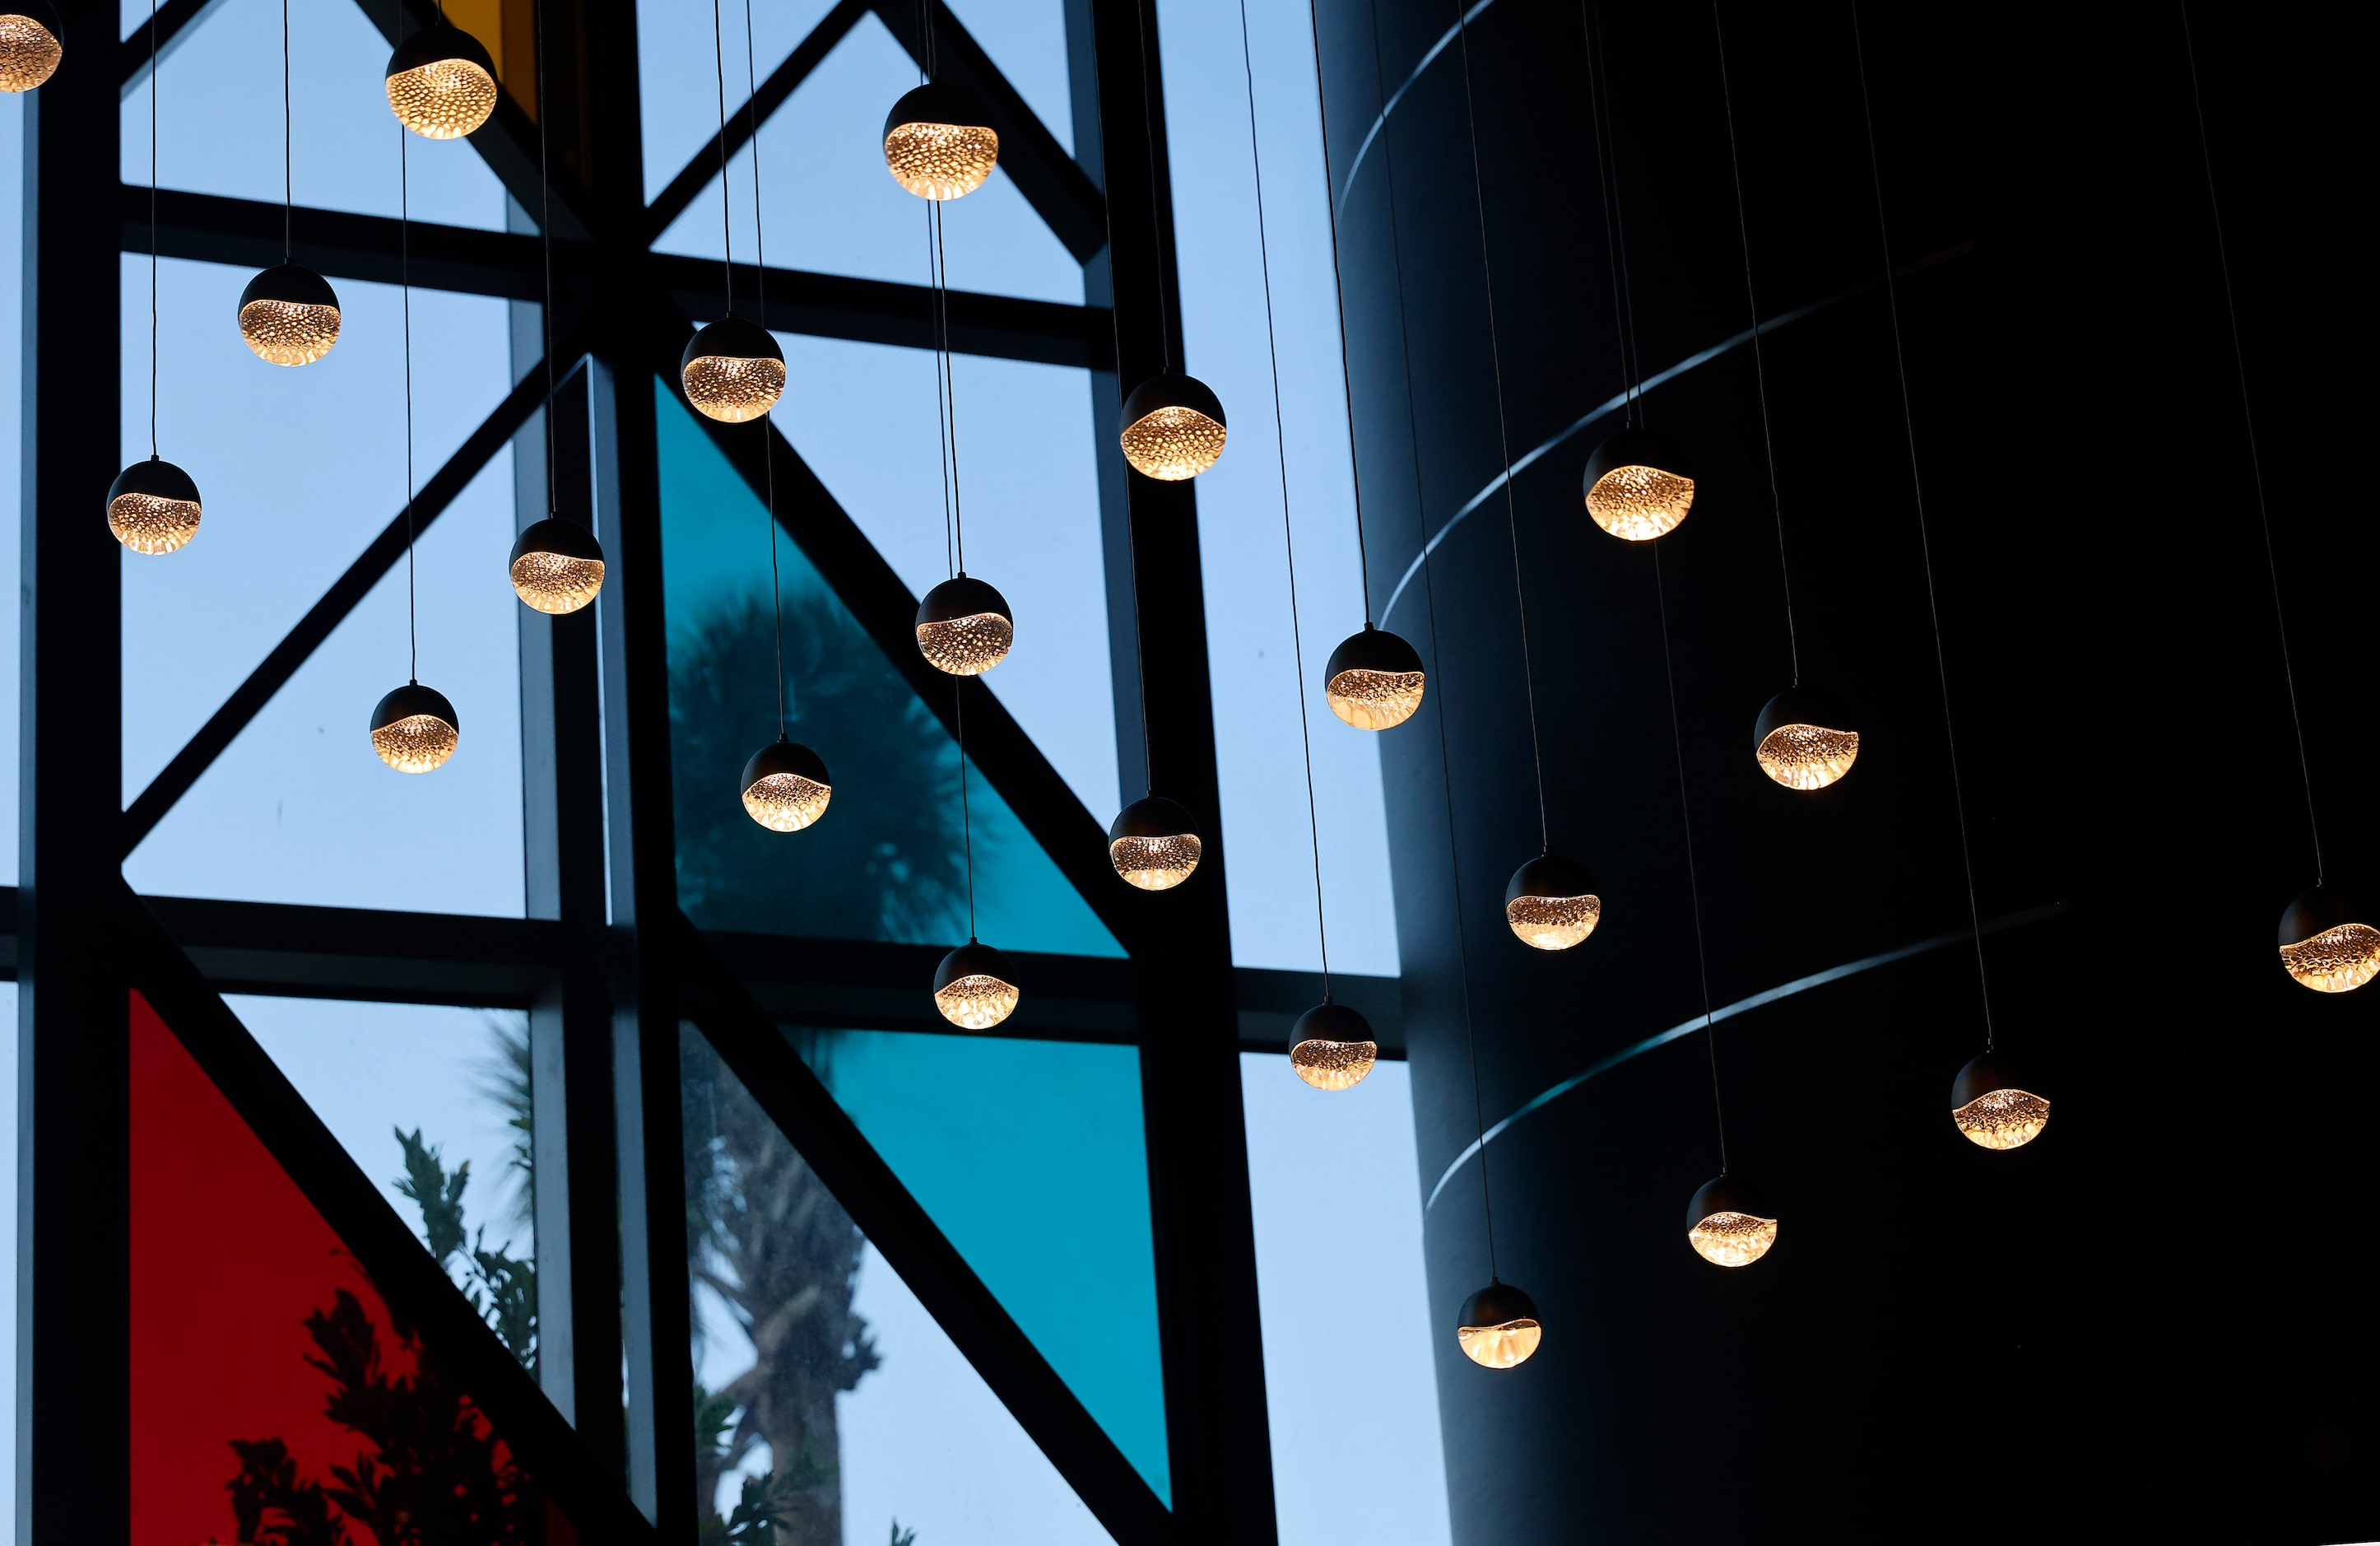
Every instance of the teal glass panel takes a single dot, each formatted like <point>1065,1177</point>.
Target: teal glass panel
<point>1030,1157</point>
<point>888,861</point>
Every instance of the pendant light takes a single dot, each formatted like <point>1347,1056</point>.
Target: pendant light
<point>733,370</point>
<point>556,566</point>
<point>31,44</point>
<point>1994,1107</point>
<point>1499,1327</point>
<point>1374,680</point>
<point>1332,1047</point>
<point>1731,1223</point>
<point>937,144</point>
<point>414,728</point>
<point>2322,945</point>
<point>153,507</point>
<point>288,314</point>
<point>1152,843</point>
<point>975,988</point>
<point>1173,424</point>
<point>442,85</point>
<point>1933,606</point>
<point>1551,902</point>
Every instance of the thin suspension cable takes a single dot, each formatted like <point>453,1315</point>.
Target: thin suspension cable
<point>2255,459</point>
<point>942,406</point>
<point>404,290</point>
<point>950,386</point>
<point>1694,883</point>
<point>288,188</point>
<point>1603,178</point>
<point>1633,357</point>
<point>768,419</point>
<point>1503,435</point>
<point>153,71</point>
<point>726,222</point>
<point>1925,540</point>
<point>966,820</point>
<point>1759,370</point>
<point>1346,382</point>
<point>1288,536</point>
<point>545,230</point>
<point>1156,214</point>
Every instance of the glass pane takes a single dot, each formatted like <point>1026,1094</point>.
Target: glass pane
<point>1027,39</point>
<point>679,78</point>
<point>221,128</point>
<point>824,151</point>
<point>8,1279</point>
<point>1370,1402</point>
<point>831,1400</point>
<point>12,305</point>
<point>256,1342</point>
<point>1249,653</point>
<point>1030,1157</point>
<point>888,861</point>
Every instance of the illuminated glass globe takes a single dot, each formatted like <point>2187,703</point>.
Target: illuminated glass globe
<point>1729,1222</point>
<point>442,85</point>
<point>289,315</point>
<point>1638,486</point>
<point>31,44</point>
<point>1172,428</point>
<point>975,987</point>
<point>415,729</point>
<point>557,565</point>
<point>964,627</point>
<point>1551,902</point>
<point>1374,680</point>
<point>153,507</point>
<point>937,144</point>
<point>1151,844</point>
<point>2324,947</point>
<point>1994,1108</point>
<point>1800,739</point>
<point>733,370</point>
<point>785,787</point>
<point>1332,1047</point>
<point>1499,1327</point>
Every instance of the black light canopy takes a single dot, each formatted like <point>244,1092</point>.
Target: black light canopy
<point>1803,739</point>
<point>1551,902</point>
<point>937,143</point>
<point>1174,426</point>
<point>1154,844</point>
<point>1332,1047</point>
<point>2324,945</point>
<point>965,627</point>
<point>1639,485</point>
<point>1374,680</point>
<point>442,85</point>
<point>1499,1327</point>
<point>153,506</point>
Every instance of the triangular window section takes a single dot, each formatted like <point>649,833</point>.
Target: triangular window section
<point>888,861</point>
<point>274,1396</point>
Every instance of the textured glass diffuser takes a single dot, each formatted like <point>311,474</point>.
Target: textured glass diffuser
<point>1550,903</point>
<point>1499,1327</point>
<point>1172,428</point>
<point>1638,486</point>
<point>1332,1047</point>
<point>288,315</point>
<point>2325,946</point>
<point>556,566</point>
<point>30,44</point>
<point>1374,680</point>
<point>153,507</point>
<point>415,730</point>
<point>785,787</point>
<point>1992,1108</point>
<point>1799,742</point>
<point>442,85</point>
<point>1729,1222</point>
<point>975,988</point>
<point>1151,844</point>
<point>733,370</point>
<point>936,143</point>
<point>964,628</point>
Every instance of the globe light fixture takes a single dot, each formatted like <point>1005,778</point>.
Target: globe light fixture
<point>153,507</point>
<point>289,315</point>
<point>1729,1222</point>
<point>31,44</point>
<point>975,987</point>
<point>1374,680</point>
<point>1551,902</point>
<point>1994,1108</point>
<point>2324,947</point>
<point>1800,739</point>
<point>964,627</point>
<point>415,729</point>
<point>1151,844</point>
<point>1638,486</point>
<point>1499,1327</point>
<point>786,786</point>
<point>442,85</point>
<point>557,565</point>
<point>1332,1047</point>
<point>1172,428</point>
<point>937,144</point>
<point>733,370</point>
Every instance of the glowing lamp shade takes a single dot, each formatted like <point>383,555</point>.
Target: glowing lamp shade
<point>964,627</point>
<point>1172,428</point>
<point>1332,1047</point>
<point>937,144</point>
<point>1729,1222</point>
<point>2325,946</point>
<point>1994,1108</point>
<point>733,370</point>
<point>1374,680</point>
<point>442,85</point>
<point>556,566</point>
<point>153,507</point>
<point>975,987</point>
<point>1499,1327</point>
<point>785,787</point>
<point>31,44</point>
<point>1638,486</point>
<point>288,315</point>
<point>1551,902</point>
<point>415,729</point>
<point>1802,741</point>
<point>1152,845</point>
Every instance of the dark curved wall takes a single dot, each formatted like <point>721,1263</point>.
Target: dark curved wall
<point>2149,1324</point>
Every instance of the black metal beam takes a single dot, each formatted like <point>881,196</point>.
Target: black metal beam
<point>916,1247</point>
<point>177,19</point>
<point>246,233</point>
<point>355,953</point>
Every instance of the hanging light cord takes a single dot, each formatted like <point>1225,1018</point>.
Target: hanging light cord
<point>1346,382</point>
<point>1759,370</point>
<point>1925,540</point>
<point>153,229</point>
<point>942,409</point>
<point>1606,142</point>
<point>948,380</point>
<point>1288,536</point>
<point>1503,435</point>
<point>288,186</point>
<point>2255,458</point>
<point>1694,884</point>
<point>1156,214</point>
<point>769,421</point>
<point>1610,240</point>
<point>545,229</point>
<point>726,222</point>
<point>404,290</point>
